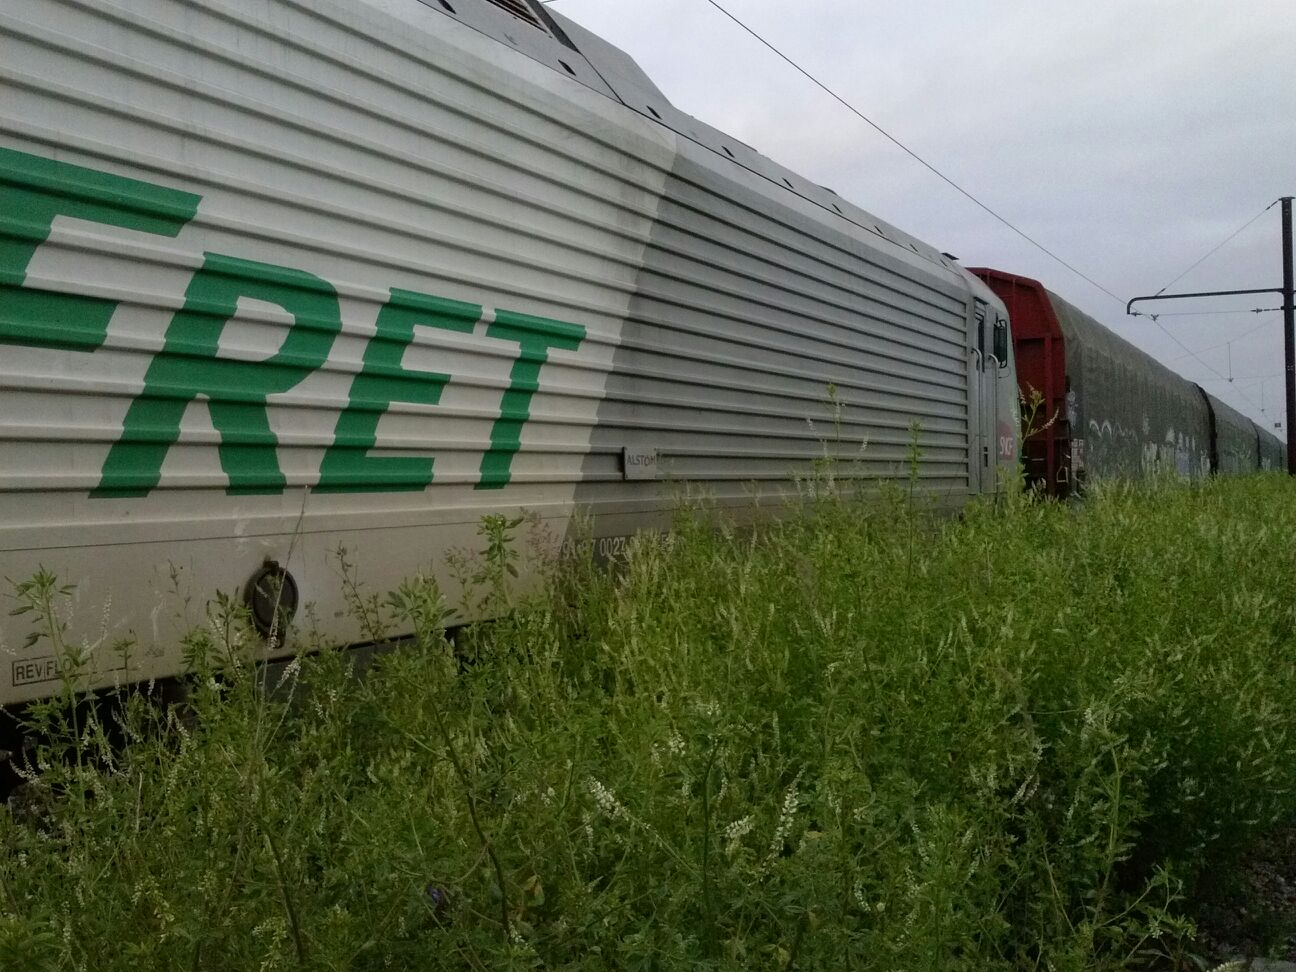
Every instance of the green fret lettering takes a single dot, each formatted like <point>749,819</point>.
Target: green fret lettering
<point>187,367</point>
<point>33,190</point>
<point>348,467</point>
<point>535,336</point>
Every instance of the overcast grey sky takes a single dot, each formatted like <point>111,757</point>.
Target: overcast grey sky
<point>1128,136</point>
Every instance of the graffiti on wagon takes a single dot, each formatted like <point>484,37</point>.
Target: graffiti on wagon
<point>34,190</point>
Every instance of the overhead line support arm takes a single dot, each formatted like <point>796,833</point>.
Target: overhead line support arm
<point>1288,292</point>
<point>1204,293</point>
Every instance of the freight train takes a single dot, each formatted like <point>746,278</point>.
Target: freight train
<point>291,290</point>
<point>1105,409</point>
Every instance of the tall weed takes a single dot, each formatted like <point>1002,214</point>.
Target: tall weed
<point>862,736</point>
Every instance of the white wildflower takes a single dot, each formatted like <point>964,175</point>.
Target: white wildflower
<point>924,854</point>
<point>710,709</point>
<point>735,832</point>
<point>291,671</point>
<point>1027,789</point>
<point>834,803</point>
<point>605,799</point>
<point>521,947</point>
<point>858,893</point>
<point>786,813</point>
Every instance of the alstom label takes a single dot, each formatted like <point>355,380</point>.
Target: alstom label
<point>34,190</point>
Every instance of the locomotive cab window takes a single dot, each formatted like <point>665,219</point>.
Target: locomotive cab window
<point>1001,342</point>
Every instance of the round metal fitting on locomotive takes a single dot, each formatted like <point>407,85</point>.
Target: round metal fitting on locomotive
<point>269,592</point>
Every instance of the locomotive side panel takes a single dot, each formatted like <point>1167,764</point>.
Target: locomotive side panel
<point>306,281</point>
<point>762,340</point>
<point>285,280</point>
<point>762,297</point>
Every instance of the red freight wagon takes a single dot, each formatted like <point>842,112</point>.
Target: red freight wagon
<point>1040,351</point>
<point>1107,409</point>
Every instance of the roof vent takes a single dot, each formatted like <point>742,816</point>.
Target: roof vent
<point>520,9</point>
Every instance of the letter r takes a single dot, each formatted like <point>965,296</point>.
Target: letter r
<point>187,367</point>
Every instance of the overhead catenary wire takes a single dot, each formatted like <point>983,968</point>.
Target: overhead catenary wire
<point>974,199</point>
<point>1217,247</point>
<point>914,155</point>
<point>1197,355</point>
<point>1272,374</point>
<point>1204,363</point>
<point>968,195</point>
<point>1215,347</point>
<point>1214,313</point>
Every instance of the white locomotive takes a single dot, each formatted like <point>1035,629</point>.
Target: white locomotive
<point>283,277</point>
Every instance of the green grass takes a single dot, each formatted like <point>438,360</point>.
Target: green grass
<point>862,738</point>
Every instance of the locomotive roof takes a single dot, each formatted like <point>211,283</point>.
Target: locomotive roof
<point>545,35</point>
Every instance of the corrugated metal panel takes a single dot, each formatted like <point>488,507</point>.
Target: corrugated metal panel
<point>1135,416</point>
<point>393,188</point>
<point>640,94</point>
<point>355,157</point>
<point>335,207</point>
<point>786,298</point>
<point>542,39</point>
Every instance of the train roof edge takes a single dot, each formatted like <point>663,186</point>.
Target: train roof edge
<point>546,35</point>
<point>1069,322</point>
